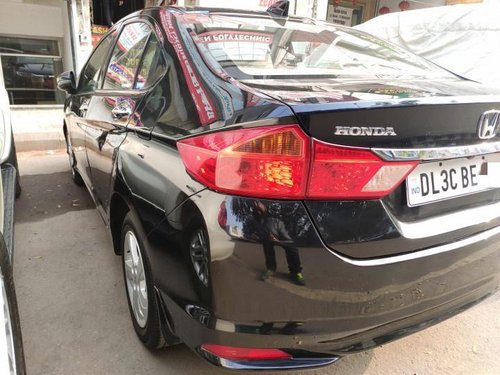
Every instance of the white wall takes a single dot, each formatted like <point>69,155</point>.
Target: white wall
<point>39,19</point>
<point>298,7</point>
<point>304,8</point>
<point>44,19</point>
<point>247,4</point>
<point>81,36</point>
<point>29,19</point>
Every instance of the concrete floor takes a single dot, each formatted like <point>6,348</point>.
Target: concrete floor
<point>75,319</point>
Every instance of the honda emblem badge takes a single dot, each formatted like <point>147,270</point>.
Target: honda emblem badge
<point>488,124</point>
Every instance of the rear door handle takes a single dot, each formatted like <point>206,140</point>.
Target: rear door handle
<point>122,110</point>
<point>102,139</point>
<point>84,107</point>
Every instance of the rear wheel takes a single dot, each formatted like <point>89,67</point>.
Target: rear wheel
<point>139,287</point>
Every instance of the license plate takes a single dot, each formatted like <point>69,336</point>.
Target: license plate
<point>436,181</point>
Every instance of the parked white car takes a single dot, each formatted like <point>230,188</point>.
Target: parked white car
<point>464,39</point>
<point>8,167</point>
<point>11,348</point>
<point>6,140</point>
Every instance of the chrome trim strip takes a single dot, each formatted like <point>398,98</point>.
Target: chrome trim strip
<point>437,152</point>
<point>421,253</point>
<point>20,54</point>
<point>286,364</point>
<point>296,363</point>
<point>446,223</point>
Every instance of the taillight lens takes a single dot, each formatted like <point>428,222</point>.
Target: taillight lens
<point>342,172</point>
<point>276,162</point>
<point>261,162</point>
<point>245,354</point>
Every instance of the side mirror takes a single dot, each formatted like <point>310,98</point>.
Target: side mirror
<point>66,82</point>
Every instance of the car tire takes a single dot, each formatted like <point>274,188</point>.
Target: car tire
<point>75,175</point>
<point>141,298</point>
<point>10,330</point>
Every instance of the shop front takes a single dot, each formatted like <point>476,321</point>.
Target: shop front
<point>350,12</point>
<point>34,49</point>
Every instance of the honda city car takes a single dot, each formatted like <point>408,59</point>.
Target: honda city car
<point>283,191</point>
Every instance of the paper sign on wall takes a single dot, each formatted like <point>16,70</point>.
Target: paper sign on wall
<point>340,15</point>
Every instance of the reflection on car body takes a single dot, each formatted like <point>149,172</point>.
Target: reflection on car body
<point>249,229</point>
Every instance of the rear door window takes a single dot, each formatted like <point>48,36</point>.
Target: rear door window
<point>126,57</point>
<point>153,64</point>
<point>89,78</point>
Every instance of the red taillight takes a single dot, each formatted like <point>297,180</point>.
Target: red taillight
<point>344,172</point>
<point>275,162</point>
<point>260,162</point>
<point>245,354</point>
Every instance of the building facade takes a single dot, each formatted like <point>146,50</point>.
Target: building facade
<point>34,48</point>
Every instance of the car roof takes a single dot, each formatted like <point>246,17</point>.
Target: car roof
<point>229,12</point>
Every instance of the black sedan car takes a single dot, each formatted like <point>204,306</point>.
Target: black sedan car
<point>283,191</point>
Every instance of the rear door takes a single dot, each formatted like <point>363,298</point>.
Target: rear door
<point>129,75</point>
<point>87,86</point>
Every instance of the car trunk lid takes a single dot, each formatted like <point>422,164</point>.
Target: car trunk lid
<point>439,123</point>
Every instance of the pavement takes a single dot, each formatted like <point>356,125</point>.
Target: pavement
<point>74,313</point>
<point>38,128</point>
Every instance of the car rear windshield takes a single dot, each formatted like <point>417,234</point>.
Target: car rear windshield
<point>253,47</point>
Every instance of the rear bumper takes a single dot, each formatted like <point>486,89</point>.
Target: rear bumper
<point>299,362</point>
<point>345,306</point>
<point>308,350</point>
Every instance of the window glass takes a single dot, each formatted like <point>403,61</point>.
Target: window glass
<point>256,48</point>
<point>29,69</point>
<point>153,64</point>
<point>28,46</point>
<point>30,80</point>
<point>126,57</point>
<point>90,75</point>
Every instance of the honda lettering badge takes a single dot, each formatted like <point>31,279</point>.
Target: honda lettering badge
<point>488,124</point>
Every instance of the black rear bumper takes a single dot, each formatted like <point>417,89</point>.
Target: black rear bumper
<point>308,350</point>
<point>347,305</point>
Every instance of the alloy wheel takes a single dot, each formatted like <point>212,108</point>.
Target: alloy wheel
<point>199,256</point>
<point>135,278</point>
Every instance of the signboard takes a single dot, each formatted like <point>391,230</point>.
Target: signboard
<point>98,32</point>
<point>339,15</point>
<point>130,36</point>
